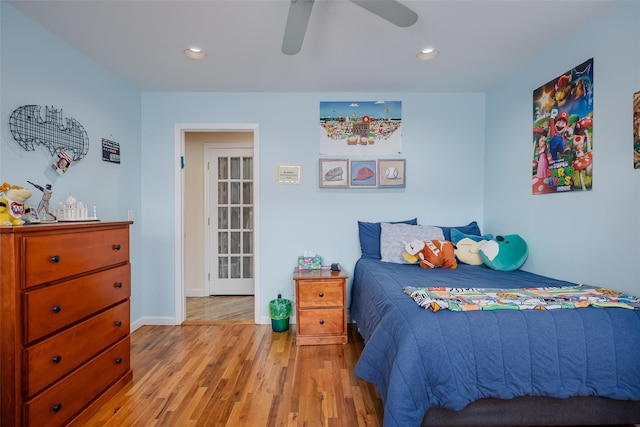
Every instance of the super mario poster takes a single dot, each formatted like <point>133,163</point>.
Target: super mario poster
<point>563,132</point>
<point>636,130</point>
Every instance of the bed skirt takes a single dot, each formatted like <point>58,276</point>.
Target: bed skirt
<point>538,411</point>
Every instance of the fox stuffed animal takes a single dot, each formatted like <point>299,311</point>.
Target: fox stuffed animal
<point>431,253</point>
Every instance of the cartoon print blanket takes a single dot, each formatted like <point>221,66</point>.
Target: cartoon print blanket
<point>543,298</point>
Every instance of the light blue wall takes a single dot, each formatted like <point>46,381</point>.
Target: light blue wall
<point>580,236</point>
<point>592,236</point>
<point>38,68</point>
<point>442,142</point>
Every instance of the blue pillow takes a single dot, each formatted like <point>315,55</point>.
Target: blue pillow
<point>457,235</point>
<point>471,228</point>
<point>370,237</point>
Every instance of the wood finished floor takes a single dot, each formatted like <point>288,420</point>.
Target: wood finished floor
<point>212,309</point>
<point>233,374</point>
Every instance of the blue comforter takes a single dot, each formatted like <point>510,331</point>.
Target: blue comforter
<point>418,359</point>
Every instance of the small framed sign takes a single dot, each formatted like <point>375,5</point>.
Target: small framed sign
<point>288,174</point>
<point>110,151</point>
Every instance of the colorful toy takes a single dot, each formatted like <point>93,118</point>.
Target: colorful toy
<point>505,253</point>
<point>12,204</point>
<point>468,246</point>
<point>468,251</point>
<point>431,253</point>
<point>411,251</point>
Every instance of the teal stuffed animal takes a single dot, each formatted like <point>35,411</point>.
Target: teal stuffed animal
<point>504,253</point>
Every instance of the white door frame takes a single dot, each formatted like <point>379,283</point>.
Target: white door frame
<point>179,136</point>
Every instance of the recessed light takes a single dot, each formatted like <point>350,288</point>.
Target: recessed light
<point>195,53</point>
<point>427,54</point>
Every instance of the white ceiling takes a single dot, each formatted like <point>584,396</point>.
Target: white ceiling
<point>346,48</point>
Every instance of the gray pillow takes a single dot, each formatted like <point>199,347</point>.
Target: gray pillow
<point>393,238</point>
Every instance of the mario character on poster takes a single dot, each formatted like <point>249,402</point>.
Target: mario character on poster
<point>563,132</point>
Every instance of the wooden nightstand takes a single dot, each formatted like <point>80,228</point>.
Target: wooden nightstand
<point>321,313</point>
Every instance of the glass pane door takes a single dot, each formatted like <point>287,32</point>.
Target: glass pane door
<point>233,233</point>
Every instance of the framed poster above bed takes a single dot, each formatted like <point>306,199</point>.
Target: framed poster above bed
<point>563,132</point>
<point>361,128</point>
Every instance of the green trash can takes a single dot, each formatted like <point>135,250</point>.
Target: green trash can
<point>280,311</point>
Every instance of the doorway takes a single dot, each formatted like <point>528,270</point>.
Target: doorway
<point>187,282</point>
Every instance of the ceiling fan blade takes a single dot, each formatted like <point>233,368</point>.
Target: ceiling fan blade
<point>296,27</point>
<point>391,10</point>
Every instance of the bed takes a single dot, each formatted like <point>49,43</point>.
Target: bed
<point>502,367</point>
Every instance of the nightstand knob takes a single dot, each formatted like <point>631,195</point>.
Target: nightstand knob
<point>321,322</point>
<point>55,259</point>
<point>56,359</point>
<point>56,308</point>
<point>116,247</point>
<point>118,323</point>
<point>118,285</point>
<point>321,294</point>
<point>118,360</point>
<point>57,407</point>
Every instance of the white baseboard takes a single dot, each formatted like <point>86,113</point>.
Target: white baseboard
<point>195,293</point>
<point>143,321</point>
<point>171,321</point>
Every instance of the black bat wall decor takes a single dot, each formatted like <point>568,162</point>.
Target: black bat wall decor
<point>29,129</point>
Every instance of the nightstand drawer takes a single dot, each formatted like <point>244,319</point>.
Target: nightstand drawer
<point>327,293</point>
<point>321,316</point>
<point>328,321</point>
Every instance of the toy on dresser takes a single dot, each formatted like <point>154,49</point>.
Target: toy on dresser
<point>12,204</point>
<point>71,209</point>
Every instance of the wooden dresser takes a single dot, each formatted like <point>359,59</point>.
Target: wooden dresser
<point>321,313</point>
<point>64,320</point>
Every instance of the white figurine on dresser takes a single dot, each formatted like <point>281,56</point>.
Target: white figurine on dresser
<point>71,209</point>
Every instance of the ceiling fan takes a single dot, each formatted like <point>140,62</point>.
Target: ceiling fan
<point>300,11</point>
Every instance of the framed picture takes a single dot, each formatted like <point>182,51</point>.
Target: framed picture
<point>636,130</point>
<point>391,173</point>
<point>334,173</point>
<point>363,174</point>
<point>288,174</point>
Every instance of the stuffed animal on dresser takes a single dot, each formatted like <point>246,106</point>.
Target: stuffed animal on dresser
<point>12,204</point>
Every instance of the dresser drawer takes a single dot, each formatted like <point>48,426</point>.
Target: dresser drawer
<point>328,293</point>
<point>51,257</point>
<point>58,403</point>
<point>321,322</point>
<point>49,360</point>
<point>50,308</point>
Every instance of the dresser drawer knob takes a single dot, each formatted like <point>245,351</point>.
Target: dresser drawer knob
<point>55,259</point>
<point>57,407</point>
<point>57,308</point>
<point>321,322</point>
<point>56,359</point>
<point>117,247</point>
<point>118,285</point>
<point>321,294</point>
<point>118,360</point>
<point>118,323</point>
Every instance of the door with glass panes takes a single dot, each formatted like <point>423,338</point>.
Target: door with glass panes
<point>231,225</point>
